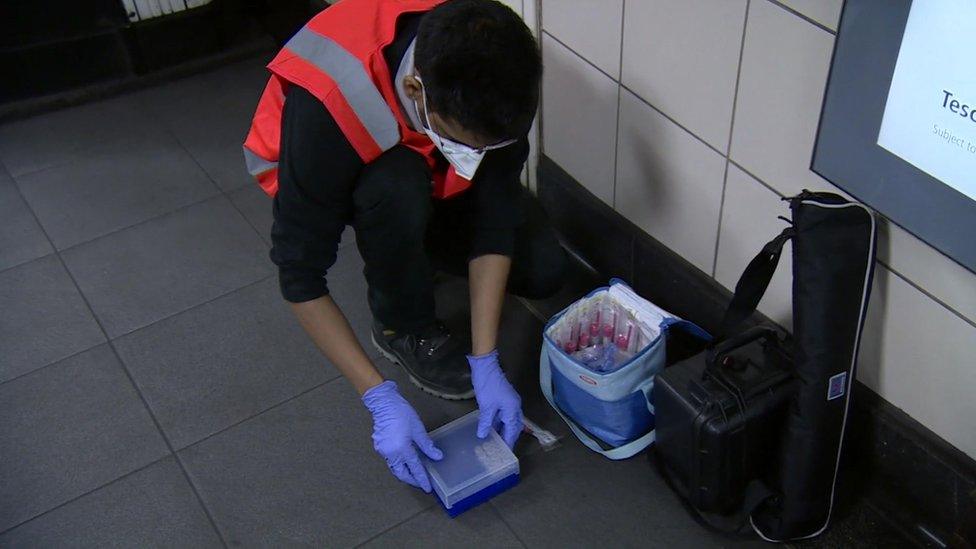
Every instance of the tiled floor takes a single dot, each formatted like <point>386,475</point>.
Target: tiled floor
<point>155,390</point>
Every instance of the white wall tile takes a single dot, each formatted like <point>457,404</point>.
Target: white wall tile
<point>516,5</point>
<point>590,28</point>
<point>781,84</point>
<point>682,57</point>
<point>928,268</point>
<point>579,118</point>
<point>668,182</point>
<point>749,221</point>
<point>919,356</point>
<point>825,12</point>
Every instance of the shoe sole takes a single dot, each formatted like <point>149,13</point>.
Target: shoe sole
<point>416,382</point>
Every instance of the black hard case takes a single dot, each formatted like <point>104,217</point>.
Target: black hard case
<point>720,416</point>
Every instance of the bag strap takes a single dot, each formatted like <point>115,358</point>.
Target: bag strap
<point>621,452</point>
<point>752,284</point>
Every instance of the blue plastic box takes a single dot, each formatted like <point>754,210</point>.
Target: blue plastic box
<point>473,470</point>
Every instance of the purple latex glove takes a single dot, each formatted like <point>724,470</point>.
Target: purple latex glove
<point>496,397</point>
<point>396,429</point>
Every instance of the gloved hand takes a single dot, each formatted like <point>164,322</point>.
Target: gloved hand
<point>496,397</point>
<point>396,429</point>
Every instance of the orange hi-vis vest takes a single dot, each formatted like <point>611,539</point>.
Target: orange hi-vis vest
<point>338,58</point>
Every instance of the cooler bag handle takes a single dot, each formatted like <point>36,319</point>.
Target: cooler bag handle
<point>752,285</point>
<point>621,452</point>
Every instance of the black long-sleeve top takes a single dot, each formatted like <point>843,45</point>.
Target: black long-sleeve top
<point>318,169</point>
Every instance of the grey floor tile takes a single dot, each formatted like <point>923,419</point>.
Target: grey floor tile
<point>21,238</point>
<point>479,527</point>
<point>302,473</point>
<point>347,286</point>
<point>221,157</point>
<point>210,115</point>
<point>214,365</point>
<point>43,318</point>
<point>70,134</point>
<point>153,507</point>
<point>113,188</point>
<point>256,207</point>
<point>68,429</point>
<point>572,497</point>
<point>169,264</point>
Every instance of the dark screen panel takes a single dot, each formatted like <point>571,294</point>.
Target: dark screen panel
<point>847,153</point>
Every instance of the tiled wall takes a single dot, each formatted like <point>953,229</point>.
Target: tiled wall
<point>528,9</point>
<point>692,118</point>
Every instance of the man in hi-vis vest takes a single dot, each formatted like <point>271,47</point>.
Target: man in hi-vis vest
<point>407,120</point>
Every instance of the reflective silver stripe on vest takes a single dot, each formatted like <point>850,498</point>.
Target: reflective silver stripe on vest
<point>255,164</point>
<point>354,82</point>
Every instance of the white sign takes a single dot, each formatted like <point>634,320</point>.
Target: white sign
<point>930,116</point>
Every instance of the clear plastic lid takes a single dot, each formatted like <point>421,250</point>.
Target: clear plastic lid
<point>470,464</point>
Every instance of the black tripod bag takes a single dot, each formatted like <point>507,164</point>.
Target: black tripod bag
<point>834,242</point>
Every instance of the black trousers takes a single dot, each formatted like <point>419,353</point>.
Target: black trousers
<point>403,235</point>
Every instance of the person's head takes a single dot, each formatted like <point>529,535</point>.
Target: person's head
<point>480,69</point>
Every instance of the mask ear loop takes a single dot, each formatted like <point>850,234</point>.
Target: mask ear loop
<point>423,94</point>
<point>445,145</point>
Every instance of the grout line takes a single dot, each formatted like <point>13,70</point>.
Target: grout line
<point>729,160</point>
<point>22,263</point>
<point>52,363</point>
<point>728,145</point>
<point>148,408</point>
<point>577,54</point>
<point>156,217</point>
<point>169,444</point>
<point>616,130</point>
<point>721,213</point>
<point>79,496</point>
<point>639,98</point>
<point>507,525</point>
<point>128,375</point>
<point>55,253</point>
<point>819,25</point>
<point>910,282</point>
<point>673,121</point>
<point>531,308</point>
<point>30,210</point>
<point>757,178</point>
<point>738,77</point>
<point>925,292</point>
<point>226,194</point>
<point>191,307</point>
<point>408,519</point>
<point>338,375</point>
<point>196,492</point>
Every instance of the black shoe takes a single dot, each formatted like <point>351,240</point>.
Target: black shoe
<point>433,359</point>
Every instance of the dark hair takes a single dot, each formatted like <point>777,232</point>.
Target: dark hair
<point>480,66</point>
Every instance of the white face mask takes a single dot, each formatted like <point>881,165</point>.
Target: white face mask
<point>463,158</point>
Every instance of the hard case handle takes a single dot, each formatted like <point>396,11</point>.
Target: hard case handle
<point>718,352</point>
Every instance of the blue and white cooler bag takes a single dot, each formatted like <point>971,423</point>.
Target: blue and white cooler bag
<point>610,412</point>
